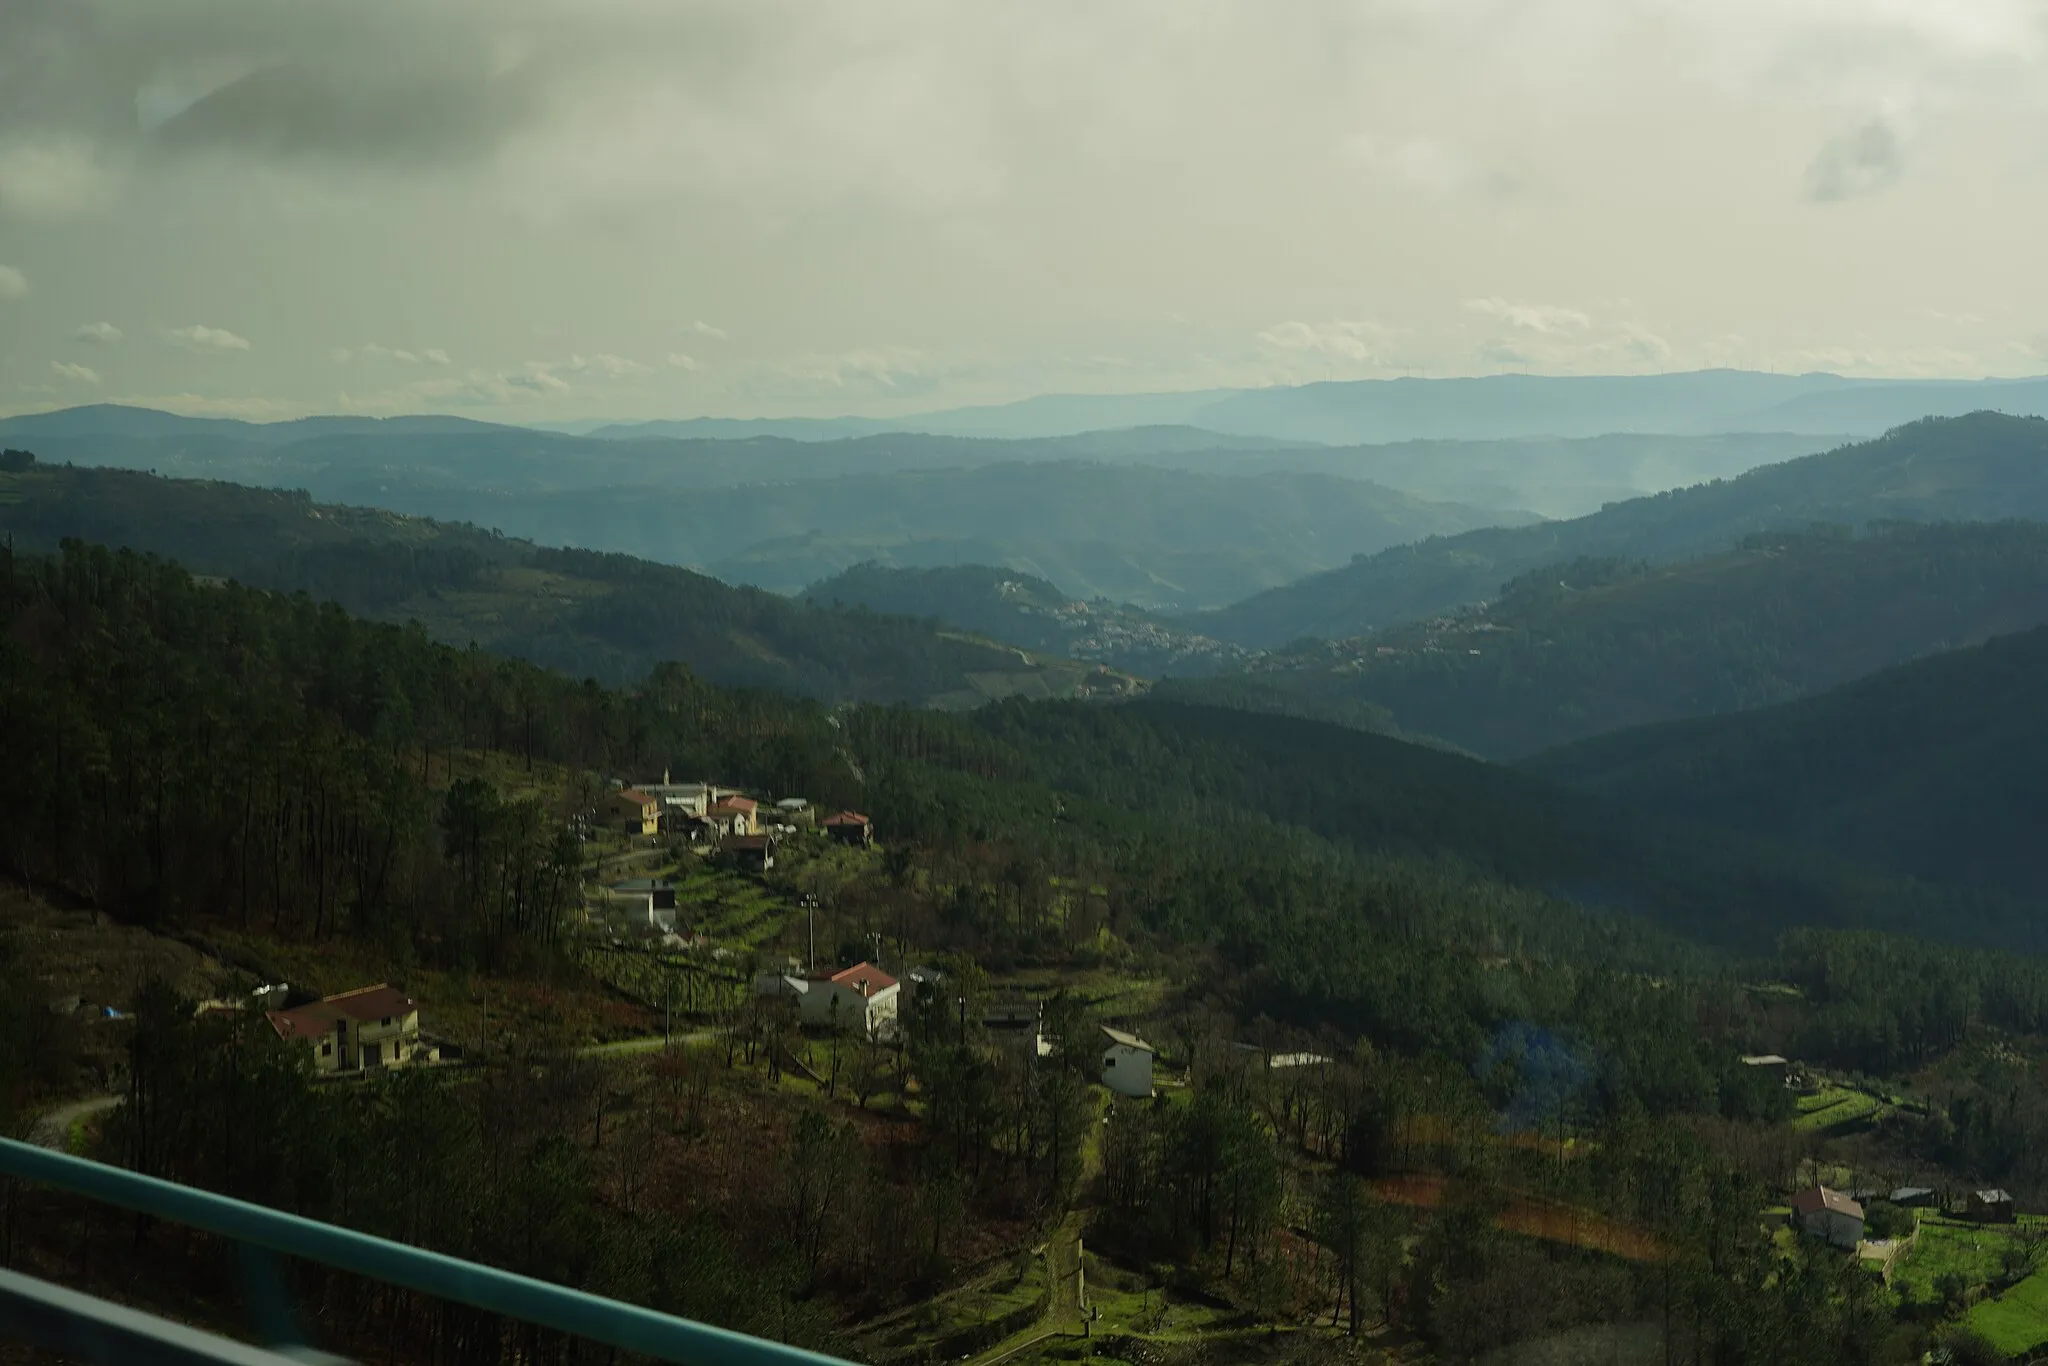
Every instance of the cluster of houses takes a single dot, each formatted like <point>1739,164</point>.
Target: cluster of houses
<point>867,1001</point>
<point>724,818</point>
<point>1836,1217</point>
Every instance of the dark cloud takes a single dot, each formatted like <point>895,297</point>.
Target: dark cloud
<point>1859,162</point>
<point>375,80</point>
<point>452,112</point>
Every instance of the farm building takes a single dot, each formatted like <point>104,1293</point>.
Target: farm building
<point>1126,1063</point>
<point>861,998</point>
<point>1829,1215</point>
<point>1992,1207</point>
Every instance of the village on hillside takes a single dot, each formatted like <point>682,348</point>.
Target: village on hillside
<point>747,936</point>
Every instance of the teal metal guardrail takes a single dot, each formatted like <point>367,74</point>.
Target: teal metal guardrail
<point>625,1326</point>
<point>95,1330</point>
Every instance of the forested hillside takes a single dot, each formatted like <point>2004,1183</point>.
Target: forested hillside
<point>1151,536</point>
<point>1980,467</point>
<point>589,615</point>
<point>1240,776</point>
<point>1031,613</point>
<point>1102,514</point>
<point>196,755</point>
<point>1572,650</point>
<point>1938,768</point>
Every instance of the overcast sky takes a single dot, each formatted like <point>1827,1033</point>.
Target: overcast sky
<point>553,209</point>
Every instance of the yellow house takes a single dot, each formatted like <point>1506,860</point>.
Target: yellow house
<point>369,1027</point>
<point>633,811</point>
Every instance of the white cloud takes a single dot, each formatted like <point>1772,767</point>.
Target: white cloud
<point>1545,318</point>
<point>617,367</point>
<point>97,334</point>
<point>342,355</point>
<point>83,374</point>
<point>52,178</point>
<point>866,367</point>
<point>704,329</point>
<point>1349,340</point>
<point>200,337</point>
<point>13,284</point>
<point>683,362</point>
<point>538,377</point>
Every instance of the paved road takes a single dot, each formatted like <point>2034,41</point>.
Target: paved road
<point>53,1130</point>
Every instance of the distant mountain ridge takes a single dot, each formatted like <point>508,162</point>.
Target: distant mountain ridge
<point>120,420</point>
<point>1979,467</point>
<point>586,614</point>
<point>1353,412</point>
<point>782,514</point>
<point>360,460</point>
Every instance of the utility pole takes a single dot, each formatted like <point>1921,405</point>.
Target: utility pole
<point>811,962</point>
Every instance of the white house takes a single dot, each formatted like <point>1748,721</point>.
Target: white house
<point>1126,1063</point>
<point>862,998</point>
<point>1829,1215</point>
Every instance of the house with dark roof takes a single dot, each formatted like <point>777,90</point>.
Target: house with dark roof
<point>1993,1206</point>
<point>1830,1216</point>
<point>849,827</point>
<point>862,999</point>
<point>754,853</point>
<point>375,1026</point>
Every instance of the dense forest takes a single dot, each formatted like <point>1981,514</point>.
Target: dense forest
<point>1571,650</point>
<point>591,615</point>
<point>1935,767</point>
<point>1982,467</point>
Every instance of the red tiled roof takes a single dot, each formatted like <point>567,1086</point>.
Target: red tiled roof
<point>751,842</point>
<point>865,978</point>
<point>731,806</point>
<point>740,803</point>
<point>304,1022</point>
<point>634,794</point>
<point>848,818</point>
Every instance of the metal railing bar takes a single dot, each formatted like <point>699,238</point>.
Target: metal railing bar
<point>625,1326</point>
<point>108,1334</point>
